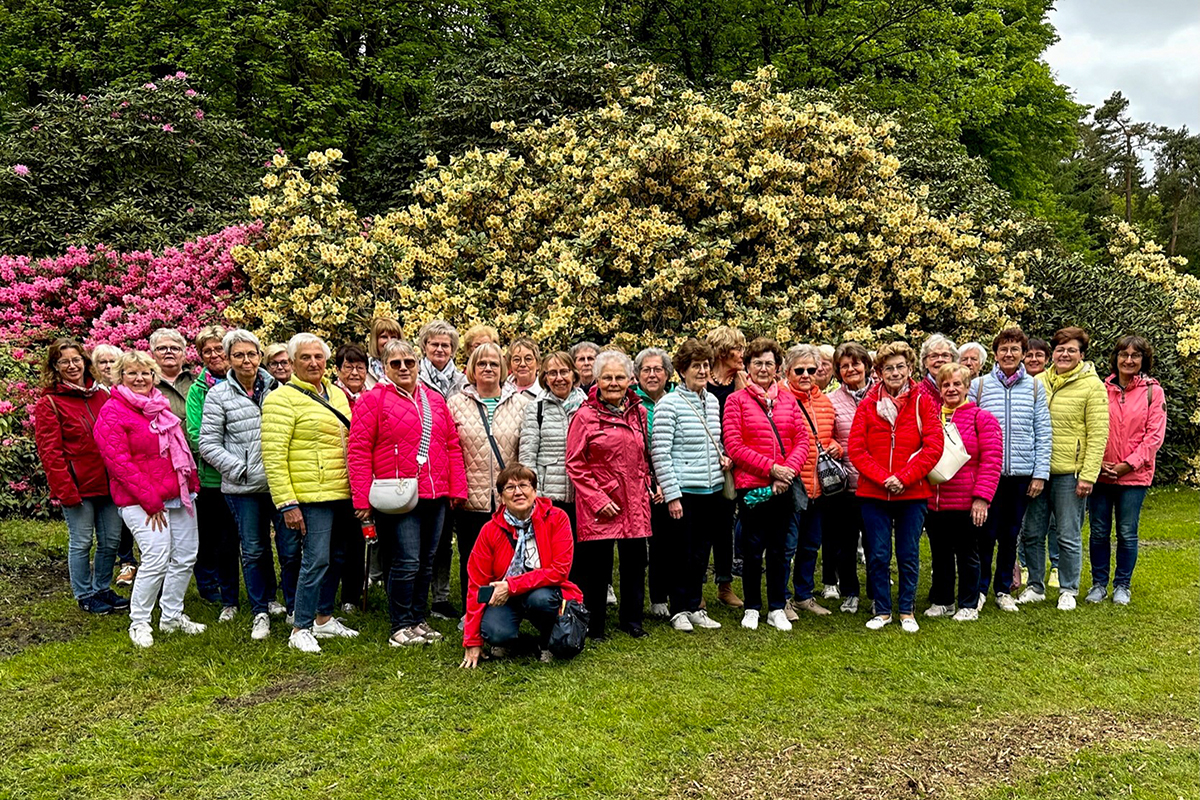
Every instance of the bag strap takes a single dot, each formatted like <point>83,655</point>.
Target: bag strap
<point>426,428</point>
<point>313,395</point>
<point>644,420</point>
<point>778,438</point>
<point>811,426</point>
<point>703,423</point>
<point>487,428</point>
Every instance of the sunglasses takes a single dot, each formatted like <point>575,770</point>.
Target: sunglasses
<point>407,363</point>
<point>804,371</point>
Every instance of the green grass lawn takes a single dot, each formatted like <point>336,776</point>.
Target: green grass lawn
<point>1097,703</point>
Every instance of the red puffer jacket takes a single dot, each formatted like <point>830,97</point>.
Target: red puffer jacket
<point>64,421</point>
<point>907,450</point>
<point>385,437</point>
<point>751,442</point>
<point>978,478</point>
<point>493,552</point>
<point>820,410</point>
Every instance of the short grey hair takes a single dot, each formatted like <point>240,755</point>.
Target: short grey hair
<point>653,352</point>
<point>797,352</point>
<point>576,348</point>
<point>437,327</point>
<point>397,347</point>
<point>983,353</point>
<point>239,336</point>
<point>167,333</point>
<point>604,357</point>
<point>937,341</point>
<point>302,339</point>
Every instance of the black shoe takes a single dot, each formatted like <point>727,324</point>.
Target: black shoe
<point>635,630</point>
<point>95,605</point>
<point>444,610</point>
<point>115,600</point>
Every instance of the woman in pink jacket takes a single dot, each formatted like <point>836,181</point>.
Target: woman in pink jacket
<point>154,482</point>
<point>1137,425</point>
<point>959,507</point>
<point>767,438</point>
<point>403,429</point>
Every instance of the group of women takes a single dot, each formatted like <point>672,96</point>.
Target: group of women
<point>541,465</point>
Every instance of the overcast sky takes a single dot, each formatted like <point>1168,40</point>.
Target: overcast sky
<point>1148,49</point>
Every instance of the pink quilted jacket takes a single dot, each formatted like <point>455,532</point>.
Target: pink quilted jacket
<point>984,440</point>
<point>751,443</point>
<point>138,475</point>
<point>385,437</point>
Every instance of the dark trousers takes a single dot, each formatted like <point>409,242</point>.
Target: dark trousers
<point>723,547</point>
<point>467,525</point>
<point>686,543</point>
<point>408,543</point>
<point>765,531</point>
<point>217,565</point>
<point>125,548</point>
<point>664,555</point>
<point>841,526</point>
<point>804,540</point>
<point>1000,533</point>
<point>880,518</point>
<point>351,572</point>
<point>501,625</point>
<point>569,510</point>
<point>595,560</point>
<point>953,541</point>
<point>321,558</point>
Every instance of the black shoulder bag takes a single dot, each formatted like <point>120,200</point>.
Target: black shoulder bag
<point>799,493</point>
<point>830,473</point>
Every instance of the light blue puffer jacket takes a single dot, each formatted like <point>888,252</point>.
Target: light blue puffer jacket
<point>1024,416</point>
<point>684,455</point>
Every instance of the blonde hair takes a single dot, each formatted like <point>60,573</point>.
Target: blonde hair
<point>134,358</point>
<point>895,349</point>
<point>381,325</point>
<point>724,340</point>
<point>947,371</point>
<point>209,332</point>
<point>274,349</point>
<point>486,347</point>
<point>478,331</point>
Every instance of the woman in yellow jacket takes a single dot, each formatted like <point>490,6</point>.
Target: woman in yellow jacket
<point>304,427</point>
<point>1079,432</point>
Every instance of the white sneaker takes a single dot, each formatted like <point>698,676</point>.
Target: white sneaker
<point>831,592</point>
<point>778,620</point>
<point>680,622</point>
<point>750,619</point>
<point>429,633</point>
<point>1066,602</point>
<point>349,608</point>
<point>407,637</point>
<point>850,605</point>
<point>276,608</point>
<point>1122,595</point>
<point>304,641</point>
<point>261,628</point>
<point>290,619</point>
<point>981,602</point>
<point>141,635</point>
<point>701,619</point>
<point>1006,602</point>
<point>966,615</point>
<point>181,623</point>
<point>940,611</point>
<point>227,614</point>
<point>612,596</point>
<point>660,610</point>
<point>877,622</point>
<point>909,625</point>
<point>1030,596</point>
<point>332,628</point>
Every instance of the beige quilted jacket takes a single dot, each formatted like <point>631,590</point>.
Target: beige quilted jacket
<point>482,468</point>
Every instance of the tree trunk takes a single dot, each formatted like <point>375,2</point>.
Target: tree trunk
<point>1174,230</point>
<point>1128,178</point>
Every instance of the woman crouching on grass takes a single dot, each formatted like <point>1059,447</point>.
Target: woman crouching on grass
<point>522,558</point>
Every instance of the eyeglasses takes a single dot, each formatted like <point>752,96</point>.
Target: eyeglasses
<point>406,363</point>
<point>249,355</point>
<point>355,366</point>
<point>487,365</point>
<point>69,362</point>
<point>278,364</point>
<point>760,364</point>
<point>513,488</point>
<point>168,348</point>
<point>653,370</point>
<point>437,345</point>
<point>1069,351</point>
<point>558,373</point>
<point>891,369</point>
<point>210,352</point>
<point>805,371</point>
<point>939,354</point>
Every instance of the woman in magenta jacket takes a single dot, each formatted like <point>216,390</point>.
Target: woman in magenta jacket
<point>895,440</point>
<point>1137,425</point>
<point>959,507</point>
<point>403,429</point>
<point>767,438</point>
<point>154,483</point>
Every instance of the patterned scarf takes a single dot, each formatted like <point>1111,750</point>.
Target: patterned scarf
<point>171,442</point>
<point>889,408</point>
<point>524,529</point>
<point>86,391</point>
<point>1009,381</point>
<point>444,380</point>
<point>859,394</point>
<point>765,397</point>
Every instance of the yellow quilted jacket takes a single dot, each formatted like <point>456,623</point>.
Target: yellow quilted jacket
<point>1078,421</point>
<point>304,445</point>
<point>480,462</point>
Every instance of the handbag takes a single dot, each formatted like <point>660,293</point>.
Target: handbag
<point>399,495</point>
<point>728,487</point>
<point>831,475</point>
<point>569,631</point>
<point>954,455</point>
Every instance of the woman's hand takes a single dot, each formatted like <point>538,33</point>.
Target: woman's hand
<point>157,522</point>
<point>834,449</point>
<point>675,509</point>
<point>893,485</point>
<point>779,487</point>
<point>457,502</point>
<point>471,657</point>
<point>657,497</point>
<point>1121,470</point>
<point>726,463</point>
<point>1035,487</point>
<point>363,514</point>
<point>609,511</point>
<point>979,512</point>
<point>781,473</point>
<point>499,593</point>
<point>1083,488</point>
<point>294,520</point>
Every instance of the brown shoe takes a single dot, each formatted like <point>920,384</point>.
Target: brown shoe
<point>725,595</point>
<point>790,612</point>
<point>127,574</point>
<point>811,606</point>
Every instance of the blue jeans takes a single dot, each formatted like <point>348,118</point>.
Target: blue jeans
<point>98,518</point>
<point>254,514</point>
<point>409,543</point>
<point>1126,503</point>
<point>501,625</point>
<point>287,545</point>
<point>803,543</point>
<point>1059,499</point>
<point>880,518</point>
<point>320,559</point>
<point>765,528</point>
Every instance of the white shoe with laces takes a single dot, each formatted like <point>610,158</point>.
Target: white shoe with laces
<point>778,620</point>
<point>1066,602</point>
<point>407,637</point>
<point>701,619</point>
<point>750,619</point>
<point>332,628</point>
<point>909,625</point>
<point>680,622</point>
<point>261,627</point>
<point>227,614</point>
<point>940,611</point>
<point>141,635</point>
<point>831,592</point>
<point>1030,596</point>
<point>276,608</point>
<point>1006,602</point>
<point>660,610</point>
<point>850,605</point>
<point>428,632</point>
<point>966,615</point>
<point>181,623</point>
<point>304,641</point>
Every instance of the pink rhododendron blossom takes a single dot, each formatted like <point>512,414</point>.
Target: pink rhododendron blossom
<point>151,86</point>
<point>21,169</point>
<point>199,114</point>
<point>19,353</point>
<point>190,93</point>
<point>168,128</point>
<point>181,75</point>
<point>19,486</point>
<point>6,407</point>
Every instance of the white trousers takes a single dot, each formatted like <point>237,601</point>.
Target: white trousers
<point>167,559</point>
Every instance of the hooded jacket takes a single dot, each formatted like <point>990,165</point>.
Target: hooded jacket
<point>64,420</point>
<point>1137,427</point>
<point>210,476</point>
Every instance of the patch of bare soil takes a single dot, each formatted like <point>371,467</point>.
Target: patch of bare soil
<point>29,574</point>
<point>949,764</point>
<point>286,686</point>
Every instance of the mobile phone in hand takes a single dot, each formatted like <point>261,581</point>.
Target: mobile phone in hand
<point>485,594</point>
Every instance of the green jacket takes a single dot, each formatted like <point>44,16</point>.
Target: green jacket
<point>209,477</point>
<point>1078,421</point>
<point>649,404</point>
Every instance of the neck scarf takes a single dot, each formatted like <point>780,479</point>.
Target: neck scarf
<point>444,380</point>
<point>1006,381</point>
<point>352,395</point>
<point>524,529</point>
<point>375,367</point>
<point>860,393</point>
<point>888,407</point>
<point>1056,381</point>
<point>171,442</point>
<point>765,397</point>
<point>86,391</point>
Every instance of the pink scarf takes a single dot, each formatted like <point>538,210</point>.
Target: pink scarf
<point>765,397</point>
<point>171,442</point>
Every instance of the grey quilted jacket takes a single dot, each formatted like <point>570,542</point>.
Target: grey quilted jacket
<point>231,434</point>
<point>544,445</point>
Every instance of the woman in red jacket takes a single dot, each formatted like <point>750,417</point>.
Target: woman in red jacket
<point>959,507</point>
<point>767,439</point>
<point>64,418</point>
<point>522,556</point>
<point>895,440</point>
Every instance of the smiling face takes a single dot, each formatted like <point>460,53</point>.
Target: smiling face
<point>213,357</point>
<point>70,366</point>
<point>353,375</point>
<point>824,372</point>
<point>1035,362</point>
<point>559,378</point>
<point>383,338</point>
<point>1129,363</point>
<point>652,376</point>
<point>487,373</point>
<point>763,369</point>
<point>894,373</point>
<point>401,369</point>
<point>1009,356</point>
<point>438,350</point>
<point>518,497</point>
<point>803,374</point>
<point>853,372</point>
<point>138,379</point>
<point>310,363</point>
<point>1067,355</point>
<point>954,390</point>
<point>614,383</point>
<point>585,359</point>
<point>245,359</point>
<point>696,376</point>
<point>938,358</point>
<point>522,364</point>
<point>104,365</point>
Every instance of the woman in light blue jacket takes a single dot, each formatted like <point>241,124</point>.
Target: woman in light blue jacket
<point>689,461</point>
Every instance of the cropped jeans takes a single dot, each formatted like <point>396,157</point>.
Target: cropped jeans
<point>1059,499</point>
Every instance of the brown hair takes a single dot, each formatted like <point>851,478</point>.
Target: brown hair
<point>764,345</point>
<point>565,359</point>
<point>1013,334</point>
<point>349,352</point>
<point>1137,343</point>
<point>1064,335</point>
<point>724,340</point>
<point>515,471</point>
<point>853,351</point>
<point>691,351</point>
<point>381,325</point>
<point>478,331</point>
<point>1040,345</point>
<point>50,374</point>
<point>895,349</point>
<point>528,344</point>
